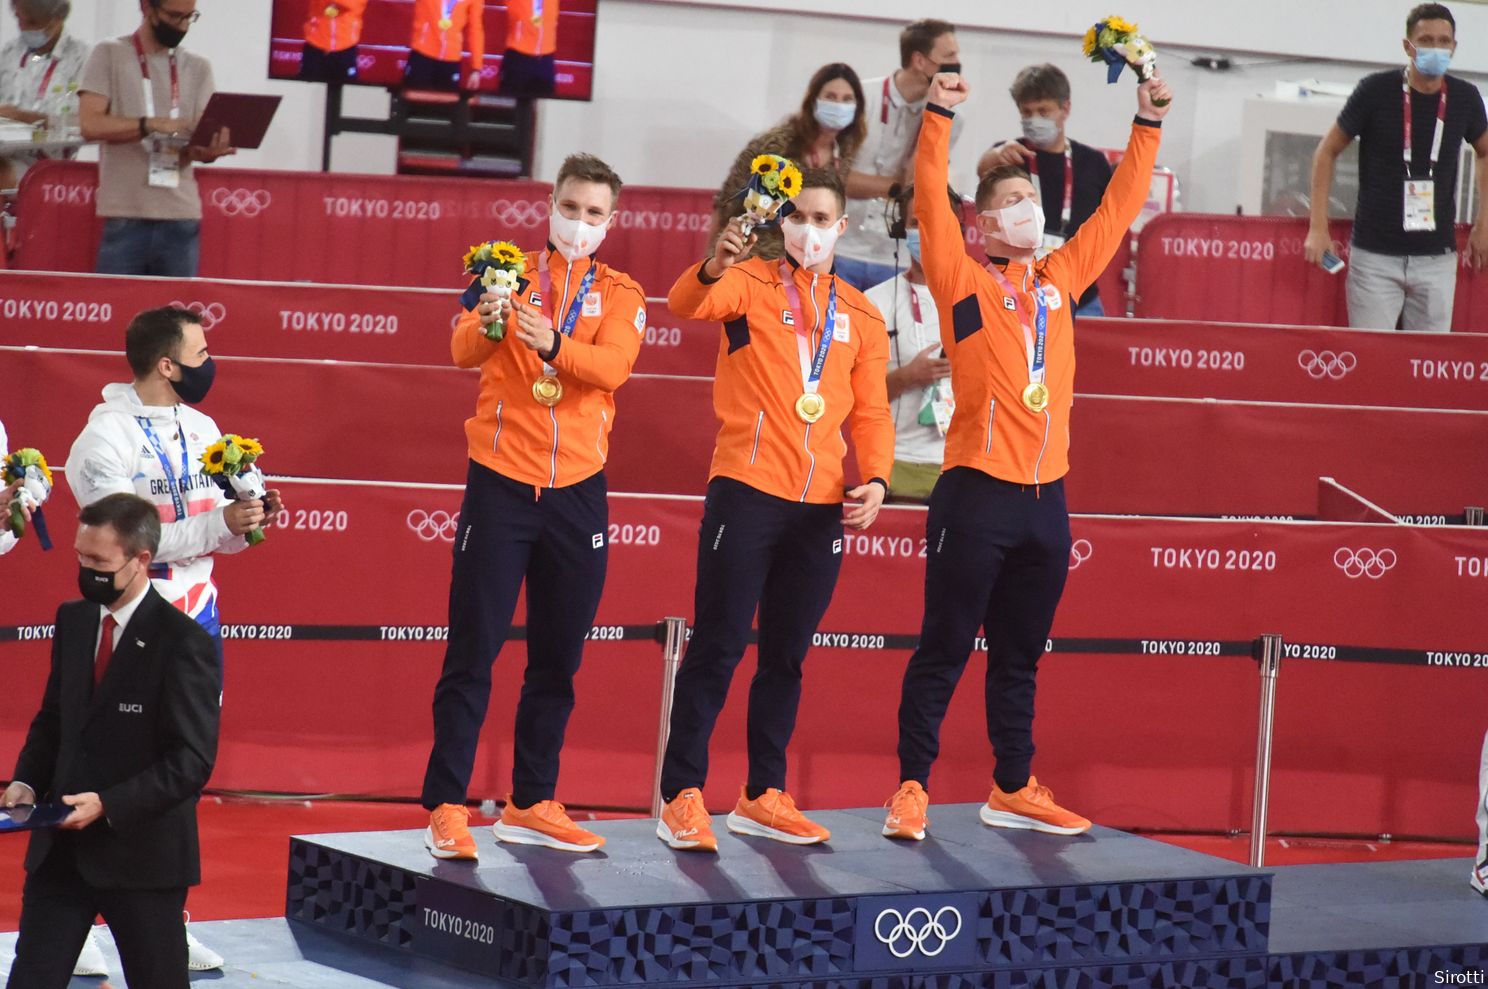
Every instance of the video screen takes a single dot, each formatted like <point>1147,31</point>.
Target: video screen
<point>528,48</point>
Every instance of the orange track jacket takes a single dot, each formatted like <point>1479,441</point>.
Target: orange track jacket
<point>991,430</point>
<point>529,32</point>
<point>444,44</point>
<point>762,442</point>
<point>338,33</point>
<point>514,434</point>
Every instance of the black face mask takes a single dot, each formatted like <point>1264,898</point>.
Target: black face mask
<point>167,34</point>
<point>953,67</point>
<point>98,585</point>
<point>195,381</point>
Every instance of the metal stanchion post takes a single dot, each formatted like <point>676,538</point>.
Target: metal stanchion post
<point>1268,654</point>
<point>1474,514</point>
<point>673,634</point>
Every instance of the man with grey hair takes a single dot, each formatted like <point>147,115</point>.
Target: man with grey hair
<point>39,72</point>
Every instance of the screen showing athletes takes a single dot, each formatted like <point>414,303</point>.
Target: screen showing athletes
<point>520,48</point>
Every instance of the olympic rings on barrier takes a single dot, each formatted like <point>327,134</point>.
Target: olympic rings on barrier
<point>1356,563</point>
<point>905,937</point>
<point>1326,364</point>
<point>1080,551</point>
<point>211,313</point>
<point>241,202</point>
<point>430,526</point>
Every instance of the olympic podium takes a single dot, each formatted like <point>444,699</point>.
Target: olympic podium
<point>969,906</point>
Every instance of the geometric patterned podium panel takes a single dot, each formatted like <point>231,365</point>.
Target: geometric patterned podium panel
<point>970,906</point>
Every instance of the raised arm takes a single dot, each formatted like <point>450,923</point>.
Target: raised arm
<point>942,243</point>
<point>709,290</point>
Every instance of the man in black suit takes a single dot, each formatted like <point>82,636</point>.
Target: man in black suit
<point>126,736</point>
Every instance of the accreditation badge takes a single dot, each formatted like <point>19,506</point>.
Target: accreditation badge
<point>165,165</point>
<point>1420,204</point>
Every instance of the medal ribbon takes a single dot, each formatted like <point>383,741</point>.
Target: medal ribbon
<point>811,367</point>
<point>571,319</point>
<point>177,500</point>
<point>139,51</point>
<point>1436,138</point>
<point>1033,341</point>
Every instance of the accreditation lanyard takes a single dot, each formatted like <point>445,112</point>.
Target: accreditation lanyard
<point>1065,210</point>
<point>883,113</point>
<point>174,484</point>
<point>571,319</point>
<point>1436,138</point>
<point>45,79</point>
<point>811,366</point>
<point>1033,337</point>
<point>175,85</point>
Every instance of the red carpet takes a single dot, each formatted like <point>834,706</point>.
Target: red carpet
<point>245,844</point>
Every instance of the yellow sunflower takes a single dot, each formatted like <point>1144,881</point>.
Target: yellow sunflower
<point>252,449</point>
<point>1121,25</point>
<point>214,457</point>
<point>473,255</point>
<point>790,182</point>
<point>507,254</point>
<point>762,164</point>
<point>1090,42</point>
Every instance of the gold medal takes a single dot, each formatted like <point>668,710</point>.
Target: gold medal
<point>810,407</point>
<point>445,23</point>
<point>1036,396</point>
<point>548,390</point>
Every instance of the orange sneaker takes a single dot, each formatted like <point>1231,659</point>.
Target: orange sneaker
<point>907,816</point>
<point>544,823</point>
<point>448,834</point>
<point>1031,808</point>
<point>774,816</point>
<point>685,823</point>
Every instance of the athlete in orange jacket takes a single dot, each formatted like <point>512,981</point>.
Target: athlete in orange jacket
<point>527,65</point>
<point>534,511</point>
<point>442,31</point>
<point>802,354</point>
<point>998,529</point>
<point>333,28</point>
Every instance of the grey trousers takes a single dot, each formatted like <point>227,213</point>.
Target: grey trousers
<point>1415,291</point>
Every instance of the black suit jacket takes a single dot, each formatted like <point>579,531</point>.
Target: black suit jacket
<point>145,740</point>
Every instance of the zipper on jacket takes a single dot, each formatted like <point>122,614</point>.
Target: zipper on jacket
<point>496,440</point>
<point>599,439</point>
<point>553,476</point>
<point>810,471</point>
<point>821,332</point>
<point>1039,462</point>
<point>759,424</point>
<point>991,414</point>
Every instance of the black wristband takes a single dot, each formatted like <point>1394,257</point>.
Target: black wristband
<point>144,129</point>
<point>552,355</point>
<point>895,191</point>
<point>880,481</point>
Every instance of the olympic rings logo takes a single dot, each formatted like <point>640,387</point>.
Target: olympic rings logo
<point>210,313</point>
<point>1356,563</point>
<point>908,935</point>
<point>513,213</point>
<point>1080,551</point>
<point>1322,364</point>
<point>241,202</point>
<point>430,526</point>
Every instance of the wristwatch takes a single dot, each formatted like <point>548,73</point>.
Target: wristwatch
<point>144,127</point>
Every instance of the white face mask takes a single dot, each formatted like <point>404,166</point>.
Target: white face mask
<point>1022,224</point>
<point>835,116</point>
<point>575,238</point>
<point>810,245</point>
<point>1042,131</point>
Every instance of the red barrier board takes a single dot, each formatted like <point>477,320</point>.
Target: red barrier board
<point>1307,364</point>
<point>359,323</point>
<point>335,627</point>
<point>1250,269</point>
<point>359,229</point>
<point>1130,455</point>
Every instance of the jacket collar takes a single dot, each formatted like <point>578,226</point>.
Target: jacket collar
<point>796,265</point>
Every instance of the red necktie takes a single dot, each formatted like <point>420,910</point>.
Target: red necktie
<point>105,649</point>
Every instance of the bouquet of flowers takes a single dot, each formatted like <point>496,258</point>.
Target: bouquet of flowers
<point>1118,43</point>
<point>229,462</point>
<point>496,265</point>
<point>773,182</point>
<point>28,466</point>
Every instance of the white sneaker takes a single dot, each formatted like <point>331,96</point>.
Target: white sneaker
<point>200,958</point>
<point>90,960</point>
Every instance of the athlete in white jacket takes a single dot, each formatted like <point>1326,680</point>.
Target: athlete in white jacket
<point>142,440</point>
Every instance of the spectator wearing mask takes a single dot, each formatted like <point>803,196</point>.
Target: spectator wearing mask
<point>1403,257</point>
<point>825,132</point>
<point>1072,177</point>
<point>39,72</point>
<point>141,97</point>
<point>332,34</point>
<point>867,255</point>
<point>919,380</point>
